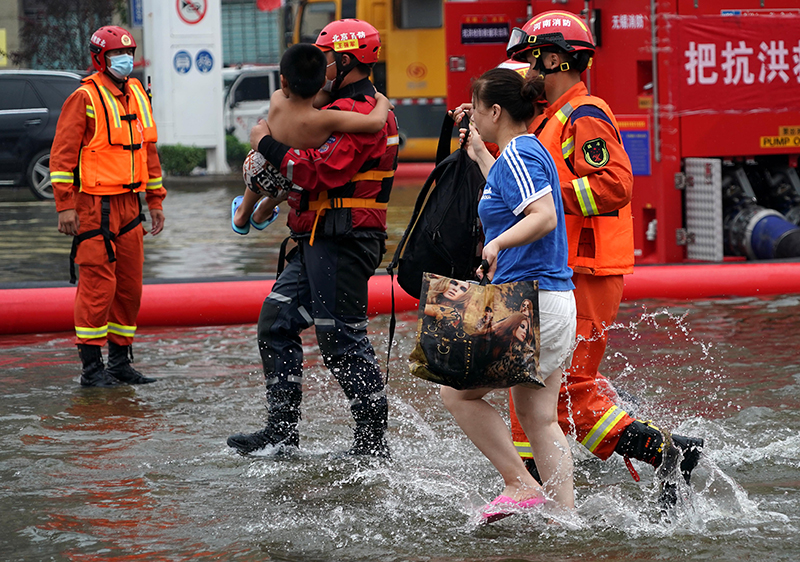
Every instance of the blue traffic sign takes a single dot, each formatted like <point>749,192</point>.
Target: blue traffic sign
<point>204,61</point>
<point>136,8</point>
<point>182,62</point>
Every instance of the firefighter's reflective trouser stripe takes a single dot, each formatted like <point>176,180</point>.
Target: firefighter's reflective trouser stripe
<point>585,407</point>
<point>109,293</point>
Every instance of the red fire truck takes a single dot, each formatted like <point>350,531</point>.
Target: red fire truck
<point>707,95</point>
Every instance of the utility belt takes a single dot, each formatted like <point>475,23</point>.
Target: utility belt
<point>105,232</point>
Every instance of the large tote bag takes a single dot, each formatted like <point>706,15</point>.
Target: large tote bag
<point>477,336</point>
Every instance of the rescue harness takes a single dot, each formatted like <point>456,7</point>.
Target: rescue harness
<point>103,231</point>
<point>324,203</point>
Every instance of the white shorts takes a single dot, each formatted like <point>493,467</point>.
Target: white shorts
<point>557,325</point>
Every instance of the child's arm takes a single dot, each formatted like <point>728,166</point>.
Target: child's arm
<point>352,122</point>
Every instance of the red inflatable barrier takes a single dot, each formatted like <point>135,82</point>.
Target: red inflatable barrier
<point>702,281</point>
<point>41,310</point>
<point>416,172</point>
<point>29,311</point>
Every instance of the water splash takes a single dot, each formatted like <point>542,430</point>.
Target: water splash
<point>145,472</point>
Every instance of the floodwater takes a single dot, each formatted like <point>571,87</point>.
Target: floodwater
<point>197,240</point>
<point>143,473</point>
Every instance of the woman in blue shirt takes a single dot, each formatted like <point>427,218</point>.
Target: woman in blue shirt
<point>523,220</point>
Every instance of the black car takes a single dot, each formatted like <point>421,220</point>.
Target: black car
<point>30,104</point>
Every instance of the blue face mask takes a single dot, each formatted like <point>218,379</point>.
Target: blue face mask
<point>120,66</point>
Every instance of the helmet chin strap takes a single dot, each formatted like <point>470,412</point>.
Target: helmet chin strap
<point>341,70</point>
<point>541,69</point>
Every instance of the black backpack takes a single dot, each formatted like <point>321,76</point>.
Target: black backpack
<point>444,235</point>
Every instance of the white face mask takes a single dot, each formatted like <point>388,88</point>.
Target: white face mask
<point>328,87</point>
<point>120,66</point>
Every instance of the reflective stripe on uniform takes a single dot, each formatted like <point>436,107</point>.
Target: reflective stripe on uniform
<point>564,113</point>
<point>306,316</point>
<point>120,330</point>
<point>568,147</point>
<point>141,98</point>
<point>374,397</point>
<point>291,378</point>
<point>111,103</point>
<point>583,192</point>
<point>279,297</point>
<point>155,183</point>
<point>90,111</point>
<point>605,424</point>
<point>90,333</point>
<point>62,177</point>
<point>524,449</point>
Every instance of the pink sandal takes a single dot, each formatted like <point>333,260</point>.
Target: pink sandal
<point>504,506</point>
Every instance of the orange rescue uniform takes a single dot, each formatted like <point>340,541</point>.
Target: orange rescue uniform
<point>103,155</point>
<point>582,135</point>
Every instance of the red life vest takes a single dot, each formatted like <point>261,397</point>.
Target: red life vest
<point>366,195</point>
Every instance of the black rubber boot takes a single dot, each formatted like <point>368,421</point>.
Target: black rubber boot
<point>283,400</point>
<point>94,373</point>
<point>691,449</point>
<point>369,438</point>
<point>642,441</point>
<point>119,365</point>
<point>645,442</point>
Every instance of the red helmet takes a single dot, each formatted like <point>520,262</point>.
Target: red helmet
<point>106,39</point>
<point>563,30</point>
<point>354,37</point>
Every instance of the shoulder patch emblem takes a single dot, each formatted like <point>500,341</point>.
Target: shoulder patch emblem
<point>327,145</point>
<point>596,153</point>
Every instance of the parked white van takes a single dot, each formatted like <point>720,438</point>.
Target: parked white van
<point>247,92</point>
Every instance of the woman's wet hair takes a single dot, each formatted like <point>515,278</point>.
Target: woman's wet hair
<point>303,65</point>
<point>508,89</point>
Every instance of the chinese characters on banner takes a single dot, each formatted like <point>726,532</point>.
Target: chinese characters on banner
<point>740,64</point>
<point>629,21</point>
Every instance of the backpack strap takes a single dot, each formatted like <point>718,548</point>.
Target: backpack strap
<point>443,148</point>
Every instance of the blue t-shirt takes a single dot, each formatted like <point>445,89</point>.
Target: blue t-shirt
<point>523,173</point>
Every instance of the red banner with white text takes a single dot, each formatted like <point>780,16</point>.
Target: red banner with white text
<point>739,64</point>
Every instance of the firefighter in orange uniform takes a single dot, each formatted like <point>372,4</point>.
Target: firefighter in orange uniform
<point>581,133</point>
<point>103,156</point>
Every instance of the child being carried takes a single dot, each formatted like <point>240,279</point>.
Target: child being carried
<point>294,120</point>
